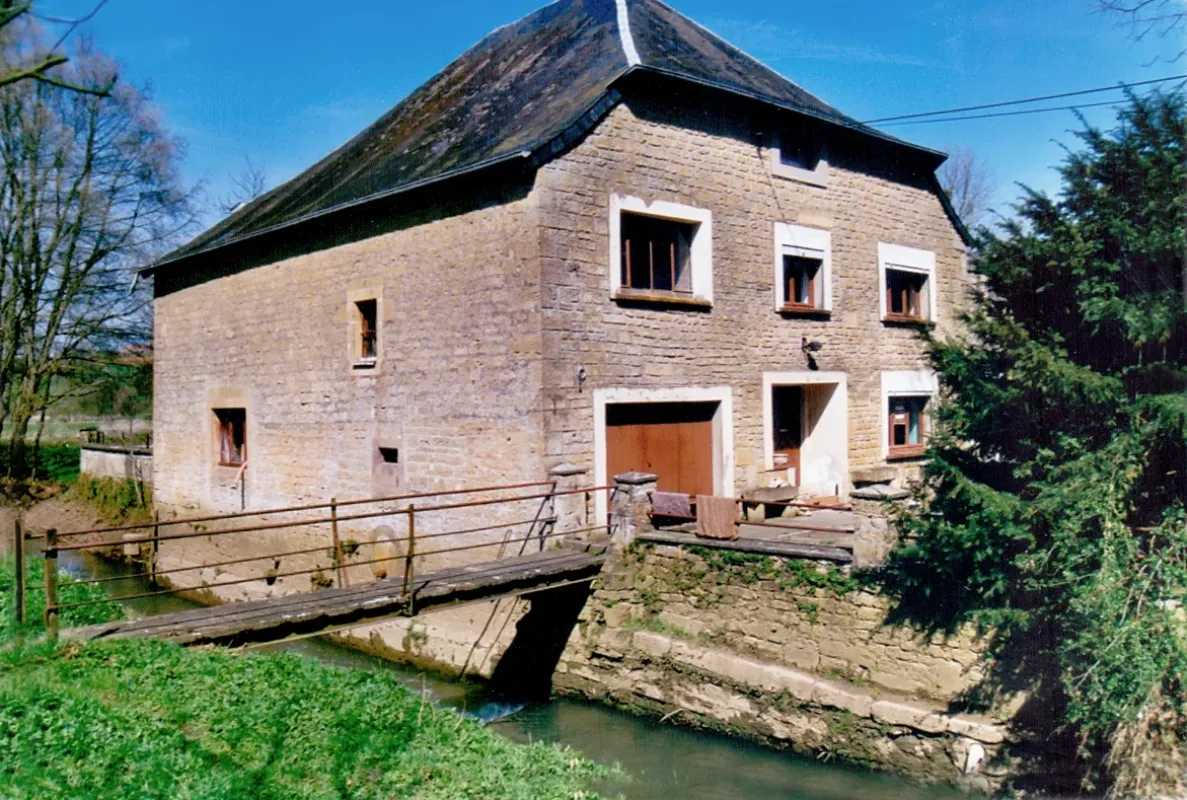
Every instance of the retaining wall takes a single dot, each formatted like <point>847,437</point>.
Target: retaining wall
<point>792,653</point>
<point>114,461</point>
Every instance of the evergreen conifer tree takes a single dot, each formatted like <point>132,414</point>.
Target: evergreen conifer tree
<point>1053,504</point>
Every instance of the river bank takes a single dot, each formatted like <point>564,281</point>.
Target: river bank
<point>661,760</point>
<point>141,719</point>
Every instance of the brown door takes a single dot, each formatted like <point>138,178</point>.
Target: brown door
<point>787,406</point>
<point>672,440</point>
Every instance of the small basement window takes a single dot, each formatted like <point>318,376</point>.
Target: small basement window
<point>367,342</point>
<point>231,424</point>
<point>907,424</point>
<point>656,253</point>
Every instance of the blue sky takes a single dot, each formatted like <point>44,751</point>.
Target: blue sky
<point>282,84</point>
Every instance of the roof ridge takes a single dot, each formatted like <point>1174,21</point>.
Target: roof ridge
<point>624,34</point>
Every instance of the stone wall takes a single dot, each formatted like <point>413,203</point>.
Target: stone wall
<point>793,653</point>
<point>496,324</point>
<point>455,390</point>
<point>713,154</point>
<point>113,461</point>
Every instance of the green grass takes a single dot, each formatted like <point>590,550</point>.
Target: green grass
<point>144,720</point>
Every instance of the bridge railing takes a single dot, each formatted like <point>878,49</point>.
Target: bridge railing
<point>535,526</point>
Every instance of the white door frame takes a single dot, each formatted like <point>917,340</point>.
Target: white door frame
<point>831,434</point>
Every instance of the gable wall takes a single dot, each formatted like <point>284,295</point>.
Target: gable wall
<point>456,391</point>
<point>712,160</point>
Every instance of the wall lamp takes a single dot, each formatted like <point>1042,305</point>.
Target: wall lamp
<point>810,349</point>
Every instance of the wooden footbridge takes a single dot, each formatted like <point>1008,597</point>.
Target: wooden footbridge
<point>280,617</point>
<point>533,555</point>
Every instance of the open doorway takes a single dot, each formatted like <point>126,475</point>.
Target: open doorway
<point>806,416</point>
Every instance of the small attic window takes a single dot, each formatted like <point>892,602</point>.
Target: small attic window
<point>800,158</point>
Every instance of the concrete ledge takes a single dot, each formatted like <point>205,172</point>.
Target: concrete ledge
<point>766,547</point>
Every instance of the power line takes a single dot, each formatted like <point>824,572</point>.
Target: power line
<point>1007,113</point>
<point>1027,100</point>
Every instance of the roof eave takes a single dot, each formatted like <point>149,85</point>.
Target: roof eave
<point>551,146</point>
<point>856,127</point>
<point>176,258</point>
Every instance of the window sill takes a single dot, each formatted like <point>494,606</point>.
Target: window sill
<point>906,453</point>
<point>904,319</point>
<point>817,176</point>
<point>661,298</point>
<point>797,310</point>
<point>365,364</point>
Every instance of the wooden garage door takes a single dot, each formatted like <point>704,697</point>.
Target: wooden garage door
<point>672,440</point>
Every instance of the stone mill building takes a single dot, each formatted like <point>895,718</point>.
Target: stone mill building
<point>601,237</point>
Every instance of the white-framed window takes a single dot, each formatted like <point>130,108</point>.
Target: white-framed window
<point>907,277</point>
<point>803,269</point>
<point>908,397</point>
<point>799,159</point>
<point>660,252</point>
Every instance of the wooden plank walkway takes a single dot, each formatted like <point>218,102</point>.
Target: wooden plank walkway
<point>275,618</point>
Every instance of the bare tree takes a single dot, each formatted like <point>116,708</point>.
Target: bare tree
<point>966,180</point>
<point>1157,17</point>
<point>89,191</point>
<point>38,62</point>
<point>246,186</point>
<point>1146,18</point>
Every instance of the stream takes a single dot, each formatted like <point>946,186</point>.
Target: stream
<point>663,761</point>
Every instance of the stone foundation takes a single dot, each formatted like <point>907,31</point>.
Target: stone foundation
<point>791,653</point>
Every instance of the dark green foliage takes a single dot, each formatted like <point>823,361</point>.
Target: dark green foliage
<point>57,463</point>
<point>1055,493</point>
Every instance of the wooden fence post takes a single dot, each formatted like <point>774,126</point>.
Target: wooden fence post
<point>18,554</point>
<point>338,559</point>
<point>51,583</point>
<point>409,568</point>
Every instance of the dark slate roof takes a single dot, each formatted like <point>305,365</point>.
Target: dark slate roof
<point>511,96</point>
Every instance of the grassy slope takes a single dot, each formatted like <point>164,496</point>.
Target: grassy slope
<point>149,720</point>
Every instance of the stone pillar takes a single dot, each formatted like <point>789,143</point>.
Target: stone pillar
<point>630,505</point>
<point>573,511</point>
<point>875,537</point>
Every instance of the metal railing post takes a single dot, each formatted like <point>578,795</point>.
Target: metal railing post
<point>18,553</point>
<point>338,559</point>
<point>409,567</point>
<point>154,548</point>
<point>51,583</point>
